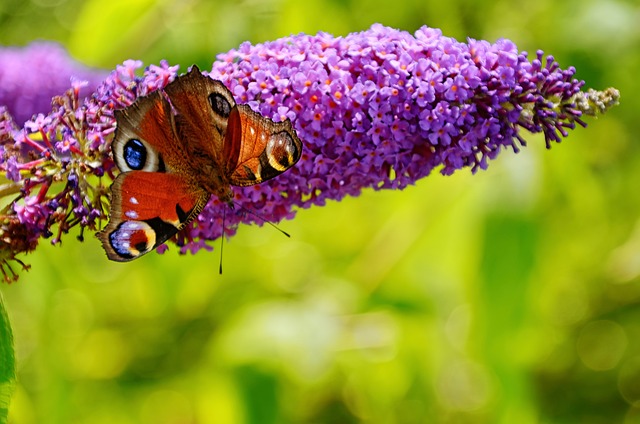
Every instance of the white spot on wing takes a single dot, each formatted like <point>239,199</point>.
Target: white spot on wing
<point>133,200</point>
<point>131,214</point>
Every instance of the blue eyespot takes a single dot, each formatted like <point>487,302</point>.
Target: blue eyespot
<point>135,154</point>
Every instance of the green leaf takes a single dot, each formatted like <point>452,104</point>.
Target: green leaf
<point>7,363</point>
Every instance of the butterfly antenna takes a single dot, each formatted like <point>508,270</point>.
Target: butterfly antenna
<point>224,215</point>
<point>263,219</point>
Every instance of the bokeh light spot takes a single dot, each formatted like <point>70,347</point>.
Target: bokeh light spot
<point>601,345</point>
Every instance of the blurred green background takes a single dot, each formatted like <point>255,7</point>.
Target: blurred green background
<point>510,296</point>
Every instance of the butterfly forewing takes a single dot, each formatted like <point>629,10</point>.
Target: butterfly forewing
<point>144,135</point>
<point>202,106</point>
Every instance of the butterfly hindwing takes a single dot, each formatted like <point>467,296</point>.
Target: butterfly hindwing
<point>147,209</point>
<point>256,148</point>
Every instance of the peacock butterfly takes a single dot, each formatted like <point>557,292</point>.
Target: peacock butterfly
<point>175,147</point>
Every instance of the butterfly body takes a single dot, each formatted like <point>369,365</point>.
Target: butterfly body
<point>178,146</point>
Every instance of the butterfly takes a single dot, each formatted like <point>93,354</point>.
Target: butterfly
<point>175,148</point>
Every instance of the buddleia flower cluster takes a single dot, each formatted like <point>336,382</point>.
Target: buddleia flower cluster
<point>376,109</point>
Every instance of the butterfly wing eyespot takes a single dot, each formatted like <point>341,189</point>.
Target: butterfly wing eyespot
<point>131,239</point>
<point>143,136</point>
<point>134,154</point>
<point>282,151</point>
<point>220,104</point>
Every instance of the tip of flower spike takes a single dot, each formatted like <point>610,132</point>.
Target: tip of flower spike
<point>595,103</point>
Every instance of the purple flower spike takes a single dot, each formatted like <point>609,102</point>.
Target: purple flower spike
<point>382,109</point>
<point>376,109</point>
<point>31,76</point>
